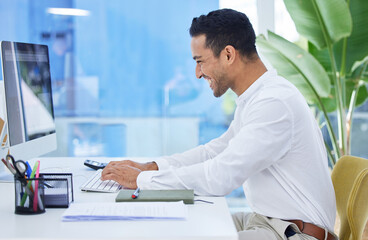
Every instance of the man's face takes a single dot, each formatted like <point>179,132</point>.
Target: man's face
<point>208,66</point>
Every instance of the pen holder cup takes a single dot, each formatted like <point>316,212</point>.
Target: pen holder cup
<point>29,195</point>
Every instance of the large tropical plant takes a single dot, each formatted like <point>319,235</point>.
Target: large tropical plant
<point>331,72</point>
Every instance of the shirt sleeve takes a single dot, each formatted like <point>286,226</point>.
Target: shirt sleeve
<point>264,137</point>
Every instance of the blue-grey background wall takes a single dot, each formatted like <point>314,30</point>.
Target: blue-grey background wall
<point>125,59</point>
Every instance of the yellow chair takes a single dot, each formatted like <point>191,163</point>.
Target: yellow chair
<point>350,180</point>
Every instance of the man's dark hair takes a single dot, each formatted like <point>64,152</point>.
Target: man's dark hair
<point>225,27</point>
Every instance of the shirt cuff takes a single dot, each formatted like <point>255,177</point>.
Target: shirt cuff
<point>162,163</point>
<point>144,179</point>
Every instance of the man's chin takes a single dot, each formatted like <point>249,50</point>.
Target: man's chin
<point>216,94</point>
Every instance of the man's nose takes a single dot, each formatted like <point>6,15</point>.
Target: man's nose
<point>198,71</point>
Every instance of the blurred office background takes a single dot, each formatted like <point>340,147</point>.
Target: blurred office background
<point>123,75</point>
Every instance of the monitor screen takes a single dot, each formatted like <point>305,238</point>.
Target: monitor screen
<point>27,83</point>
<point>28,99</point>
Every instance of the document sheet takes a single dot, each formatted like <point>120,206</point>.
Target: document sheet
<point>126,211</point>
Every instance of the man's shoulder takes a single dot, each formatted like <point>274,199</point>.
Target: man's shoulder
<point>277,88</point>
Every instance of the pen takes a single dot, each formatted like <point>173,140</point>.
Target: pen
<point>136,193</point>
<point>29,185</point>
<point>8,165</point>
<point>29,170</point>
<point>36,195</point>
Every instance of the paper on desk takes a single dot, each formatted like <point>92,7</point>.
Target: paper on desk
<point>126,211</point>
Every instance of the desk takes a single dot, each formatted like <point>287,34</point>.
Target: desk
<point>205,221</point>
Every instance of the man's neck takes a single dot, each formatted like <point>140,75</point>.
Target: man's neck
<point>248,72</point>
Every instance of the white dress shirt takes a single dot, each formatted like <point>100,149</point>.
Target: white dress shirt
<point>273,147</point>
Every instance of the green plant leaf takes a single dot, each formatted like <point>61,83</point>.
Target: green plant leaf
<point>360,67</point>
<point>357,47</point>
<point>362,94</point>
<point>323,22</point>
<point>365,78</point>
<point>296,65</point>
<point>351,78</point>
<point>321,55</point>
<point>330,102</point>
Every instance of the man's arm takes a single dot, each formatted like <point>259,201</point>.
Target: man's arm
<point>126,172</point>
<point>264,137</point>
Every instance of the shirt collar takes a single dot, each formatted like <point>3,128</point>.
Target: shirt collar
<point>255,86</point>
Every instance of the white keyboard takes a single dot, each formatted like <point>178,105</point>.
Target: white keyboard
<point>94,184</point>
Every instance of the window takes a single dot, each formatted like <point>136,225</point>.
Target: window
<point>123,74</point>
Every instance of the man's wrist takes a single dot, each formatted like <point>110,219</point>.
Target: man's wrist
<point>151,166</point>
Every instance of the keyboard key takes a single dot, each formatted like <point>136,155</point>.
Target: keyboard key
<point>94,184</point>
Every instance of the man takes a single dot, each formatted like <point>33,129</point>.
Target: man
<point>273,146</point>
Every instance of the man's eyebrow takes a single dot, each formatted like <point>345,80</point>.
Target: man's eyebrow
<point>196,57</point>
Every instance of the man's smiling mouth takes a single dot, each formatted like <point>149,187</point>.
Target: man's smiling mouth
<point>210,81</point>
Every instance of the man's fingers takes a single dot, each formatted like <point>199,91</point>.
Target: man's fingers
<point>141,166</point>
<point>123,174</point>
<point>111,170</point>
<point>111,176</point>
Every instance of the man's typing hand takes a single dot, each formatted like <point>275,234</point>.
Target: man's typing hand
<point>126,172</point>
<point>149,166</point>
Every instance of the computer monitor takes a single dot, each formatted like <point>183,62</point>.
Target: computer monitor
<point>28,120</point>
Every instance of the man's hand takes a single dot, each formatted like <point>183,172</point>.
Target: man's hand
<point>126,172</point>
<point>149,166</point>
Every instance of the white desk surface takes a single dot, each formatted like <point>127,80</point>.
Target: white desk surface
<point>205,221</point>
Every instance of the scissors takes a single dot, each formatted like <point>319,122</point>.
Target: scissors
<point>17,168</point>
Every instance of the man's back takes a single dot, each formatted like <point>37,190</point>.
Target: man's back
<point>296,183</point>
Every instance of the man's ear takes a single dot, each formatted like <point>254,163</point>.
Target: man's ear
<point>230,54</point>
